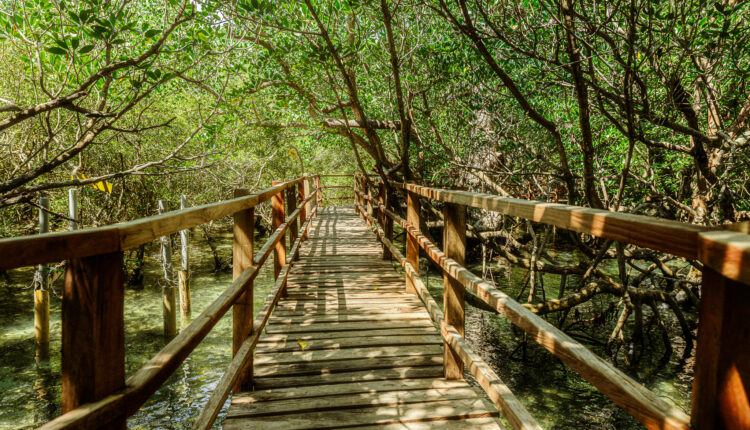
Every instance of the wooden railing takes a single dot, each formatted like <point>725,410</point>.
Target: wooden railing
<point>721,385</point>
<point>95,393</point>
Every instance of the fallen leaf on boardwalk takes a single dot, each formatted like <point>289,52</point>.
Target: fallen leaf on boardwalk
<point>375,288</point>
<point>302,344</point>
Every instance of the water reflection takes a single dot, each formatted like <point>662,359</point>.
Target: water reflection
<point>30,384</point>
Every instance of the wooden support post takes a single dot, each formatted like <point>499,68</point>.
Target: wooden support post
<point>721,386</point>
<point>368,191</point>
<point>301,195</point>
<point>184,274</point>
<point>355,188</point>
<point>242,311</point>
<point>73,208</point>
<point>454,246</point>
<point>385,221</point>
<point>168,293</point>
<point>320,190</point>
<point>41,291</point>
<point>93,335</point>
<point>412,245</point>
<point>291,206</point>
<point>278,216</point>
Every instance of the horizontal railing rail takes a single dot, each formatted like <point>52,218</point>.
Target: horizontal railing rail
<point>51,247</point>
<point>724,254</point>
<point>92,396</point>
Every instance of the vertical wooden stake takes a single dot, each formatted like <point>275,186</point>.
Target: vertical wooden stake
<point>93,335</point>
<point>385,221</point>
<point>242,311</point>
<point>184,274</point>
<point>302,194</point>
<point>41,292</point>
<point>291,206</point>
<point>356,196</point>
<point>368,187</point>
<point>412,245</point>
<point>168,293</point>
<point>278,216</point>
<point>320,190</point>
<point>454,246</point>
<point>73,208</point>
<point>721,385</point>
<point>308,207</point>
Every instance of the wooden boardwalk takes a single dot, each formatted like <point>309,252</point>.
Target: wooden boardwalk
<point>347,347</point>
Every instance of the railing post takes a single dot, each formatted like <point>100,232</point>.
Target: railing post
<point>385,221</point>
<point>454,246</point>
<point>242,310</point>
<point>320,191</point>
<point>168,292</point>
<point>368,191</point>
<point>184,274</point>
<point>721,385</point>
<point>412,245</point>
<point>93,335</point>
<point>291,206</point>
<point>41,291</point>
<point>278,216</point>
<point>302,194</point>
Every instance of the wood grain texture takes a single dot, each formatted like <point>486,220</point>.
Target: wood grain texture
<point>728,253</point>
<point>52,247</point>
<point>454,245</point>
<point>93,334</point>
<point>721,386</point>
<point>648,408</point>
<point>347,320</point>
<point>412,247</point>
<point>664,235</point>
<point>242,311</point>
<point>498,392</point>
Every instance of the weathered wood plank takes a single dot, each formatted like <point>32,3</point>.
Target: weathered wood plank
<point>341,389</point>
<point>402,372</point>
<point>360,353</point>
<point>415,412</point>
<point>351,400</point>
<point>295,344</point>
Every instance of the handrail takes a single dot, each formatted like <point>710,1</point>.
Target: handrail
<point>145,381</point>
<point>727,252</point>
<point>660,234</point>
<point>212,408</point>
<point>496,389</point>
<point>51,247</point>
<point>637,400</point>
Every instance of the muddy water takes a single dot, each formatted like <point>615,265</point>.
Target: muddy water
<point>30,388</point>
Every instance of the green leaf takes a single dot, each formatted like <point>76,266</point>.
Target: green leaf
<point>74,42</point>
<point>56,50</point>
<point>61,43</point>
<point>86,49</point>
<point>151,33</point>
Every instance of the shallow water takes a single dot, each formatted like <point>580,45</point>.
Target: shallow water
<point>554,394</point>
<point>30,391</point>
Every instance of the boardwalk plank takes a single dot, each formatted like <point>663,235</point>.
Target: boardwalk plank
<point>348,347</point>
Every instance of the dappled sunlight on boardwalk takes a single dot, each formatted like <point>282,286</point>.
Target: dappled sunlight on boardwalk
<point>348,347</point>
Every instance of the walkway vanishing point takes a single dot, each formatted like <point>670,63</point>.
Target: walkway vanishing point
<point>348,347</point>
<point>342,340</point>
